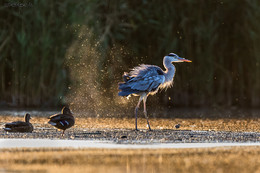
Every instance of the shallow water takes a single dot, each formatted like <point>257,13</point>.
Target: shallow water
<point>21,112</point>
<point>48,143</point>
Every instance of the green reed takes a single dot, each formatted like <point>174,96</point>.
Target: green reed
<point>220,37</point>
<point>34,40</point>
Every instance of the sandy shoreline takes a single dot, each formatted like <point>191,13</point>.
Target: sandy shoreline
<point>119,132</point>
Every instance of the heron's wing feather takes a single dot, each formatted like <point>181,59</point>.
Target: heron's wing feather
<point>146,78</point>
<point>148,83</point>
<point>145,71</point>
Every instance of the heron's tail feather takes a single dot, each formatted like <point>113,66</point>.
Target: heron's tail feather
<point>126,77</point>
<point>125,89</point>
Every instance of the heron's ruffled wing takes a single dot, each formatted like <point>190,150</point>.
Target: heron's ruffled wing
<point>146,71</point>
<point>146,78</point>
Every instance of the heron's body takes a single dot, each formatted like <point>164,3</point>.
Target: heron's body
<point>145,80</point>
<point>20,126</point>
<point>62,121</point>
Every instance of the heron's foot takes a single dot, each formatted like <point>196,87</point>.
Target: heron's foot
<point>136,129</point>
<point>148,125</point>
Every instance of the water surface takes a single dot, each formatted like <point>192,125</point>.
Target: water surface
<point>51,143</point>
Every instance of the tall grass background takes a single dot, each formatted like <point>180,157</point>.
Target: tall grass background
<point>71,52</point>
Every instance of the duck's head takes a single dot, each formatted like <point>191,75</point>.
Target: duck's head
<point>27,117</point>
<point>66,110</point>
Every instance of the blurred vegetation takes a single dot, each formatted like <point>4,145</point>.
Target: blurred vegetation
<point>222,38</point>
<point>34,37</point>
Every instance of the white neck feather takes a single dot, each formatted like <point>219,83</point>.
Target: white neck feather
<point>169,72</point>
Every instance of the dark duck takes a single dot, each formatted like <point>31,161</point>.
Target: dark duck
<point>20,126</point>
<point>62,121</point>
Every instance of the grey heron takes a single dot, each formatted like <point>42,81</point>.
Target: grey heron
<point>145,80</point>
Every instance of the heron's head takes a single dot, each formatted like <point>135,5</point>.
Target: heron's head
<point>172,57</point>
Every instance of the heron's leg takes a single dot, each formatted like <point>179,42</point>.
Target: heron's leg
<point>136,110</point>
<point>145,112</point>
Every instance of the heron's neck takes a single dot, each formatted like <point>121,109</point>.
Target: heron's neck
<point>170,71</point>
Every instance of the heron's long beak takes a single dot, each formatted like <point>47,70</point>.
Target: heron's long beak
<point>186,60</point>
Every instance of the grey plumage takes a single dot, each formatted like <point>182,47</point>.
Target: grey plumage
<point>145,80</point>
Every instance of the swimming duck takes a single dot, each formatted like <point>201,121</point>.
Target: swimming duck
<point>20,126</point>
<point>62,121</point>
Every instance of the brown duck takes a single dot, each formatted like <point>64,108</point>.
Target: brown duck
<point>62,121</point>
<point>20,126</point>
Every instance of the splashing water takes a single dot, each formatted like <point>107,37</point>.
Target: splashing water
<point>94,78</point>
